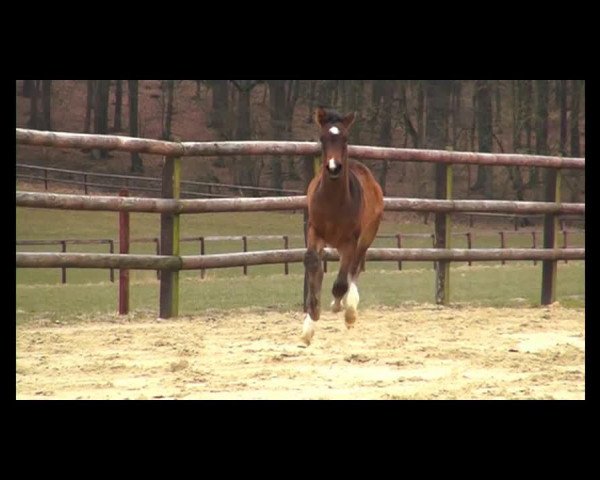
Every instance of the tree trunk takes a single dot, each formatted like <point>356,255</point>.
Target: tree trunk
<point>385,134</point>
<point>28,88</point>
<point>101,114</point>
<point>245,165</point>
<point>498,100</point>
<point>484,134</point>
<point>528,87</point>
<point>356,105</point>
<point>46,104</point>
<point>575,96</point>
<point>167,130</point>
<point>33,112</point>
<point>89,106</point>
<point>326,93</point>
<point>245,168</point>
<point>455,112</point>
<point>277,111</point>
<point>541,126</point>
<point>514,172</point>
<point>420,111</point>
<point>219,114</point>
<point>137,165</point>
<point>118,105</point>
<point>311,100</point>
<point>563,117</point>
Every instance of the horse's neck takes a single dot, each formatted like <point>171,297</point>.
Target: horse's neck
<point>346,189</point>
<point>339,189</point>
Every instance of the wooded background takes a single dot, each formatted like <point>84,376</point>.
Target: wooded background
<point>545,117</point>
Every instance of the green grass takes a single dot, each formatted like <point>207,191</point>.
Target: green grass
<point>89,292</point>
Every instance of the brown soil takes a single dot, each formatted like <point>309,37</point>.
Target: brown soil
<point>412,352</point>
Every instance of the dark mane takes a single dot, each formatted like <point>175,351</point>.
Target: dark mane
<point>332,116</point>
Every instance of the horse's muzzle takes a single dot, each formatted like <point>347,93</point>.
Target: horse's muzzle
<point>335,171</point>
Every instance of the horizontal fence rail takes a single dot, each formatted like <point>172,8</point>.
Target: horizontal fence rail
<point>138,204</point>
<point>265,257</point>
<point>85,174</point>
<point>180,149</point>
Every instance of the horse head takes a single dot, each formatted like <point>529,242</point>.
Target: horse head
<point>334,140</point>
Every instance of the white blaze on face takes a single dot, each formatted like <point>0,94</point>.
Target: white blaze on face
<point>331,164</point>
<point>334,130</point>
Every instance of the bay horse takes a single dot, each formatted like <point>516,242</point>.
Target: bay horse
<point>345,206</point>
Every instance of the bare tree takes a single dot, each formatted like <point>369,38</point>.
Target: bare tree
<point>47,104</point>
<point>562,85</point>
<point>528,113</point>
<point>118,105</point>
<point>219,113</point>
<point>483,114</point>
<point>283,95</point>
<point>101,114</point>
<point>89,106</point>
<point>575,96</point>
<point>385,133</point>
<point>137,165</point>
<point>28,88</point>
<point>245,169</point>
<point>168,91</point>
<point>33,111</point>
<point>514,172</point>
<point>541,126</point>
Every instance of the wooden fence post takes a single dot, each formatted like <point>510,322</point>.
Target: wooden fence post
<point>469,244</point>
<point>502,244</point>
<point>245,249</point>
<point>202,270</point>
<point>123,249</point>
<point>549,267</point>
<point>443,187</point>
<point>286,246</point>
<point>63,244</point>
<point>565,241</point>
<point>111,249</point>
<point>169,239</point>
<point>399,245</point>
<point>533,243</point>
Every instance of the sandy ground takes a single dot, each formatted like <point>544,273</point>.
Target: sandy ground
<point>413,352</point>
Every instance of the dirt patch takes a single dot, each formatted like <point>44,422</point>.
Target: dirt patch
<point>412,352</point>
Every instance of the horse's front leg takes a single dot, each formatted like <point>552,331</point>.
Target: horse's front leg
<point>314,269</point>
<point>344,289</point>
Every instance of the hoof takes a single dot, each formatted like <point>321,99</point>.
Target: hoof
<point>350,316</point>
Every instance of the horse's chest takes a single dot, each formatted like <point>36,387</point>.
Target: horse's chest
<point>336,226</point>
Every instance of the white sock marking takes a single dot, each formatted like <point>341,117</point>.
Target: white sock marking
<point>352,297</point>
<point>308,329</point>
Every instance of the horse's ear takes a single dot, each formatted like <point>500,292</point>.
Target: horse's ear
<point>320,116</point>
<point>348,120</point>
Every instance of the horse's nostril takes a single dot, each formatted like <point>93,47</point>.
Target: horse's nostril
<point>335,170</point>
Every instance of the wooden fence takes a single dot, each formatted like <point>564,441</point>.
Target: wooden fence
<point>131,183</point>
<point>170,206</point>
<point>202,240</point>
